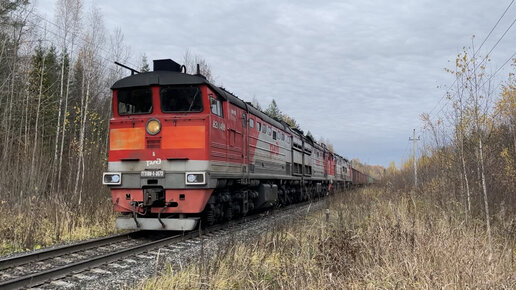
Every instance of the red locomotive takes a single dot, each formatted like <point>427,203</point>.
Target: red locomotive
<point>182,149</point>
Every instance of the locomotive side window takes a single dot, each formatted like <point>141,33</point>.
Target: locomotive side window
<point>274,135</point>
<point>264,129</point>
<point>251,123</point>
<point>181,99</point>
<point>258,126</point>
<point>216,106</point>
<point>134,101</point>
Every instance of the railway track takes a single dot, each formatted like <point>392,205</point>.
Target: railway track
<point>34,268</point>
<point>38,268</point>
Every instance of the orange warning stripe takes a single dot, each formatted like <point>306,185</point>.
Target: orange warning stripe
<point>183,137</point>
<point>127,139</point>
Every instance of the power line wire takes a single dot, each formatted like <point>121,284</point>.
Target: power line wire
<point>57,35</point>
<point>496,44</point>
<point>95,61</point>
<point>490,77</point>
<point>78,36</point>
<point>475,53</point>
<point>496,24</point>
<point>504,64</point>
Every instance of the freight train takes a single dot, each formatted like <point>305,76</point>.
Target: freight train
<point>182,149</point>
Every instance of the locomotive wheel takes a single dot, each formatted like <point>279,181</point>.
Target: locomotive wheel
<point>209,217</point>
<point>228,212</point>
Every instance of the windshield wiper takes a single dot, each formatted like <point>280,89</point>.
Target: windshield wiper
<point>193,101</point>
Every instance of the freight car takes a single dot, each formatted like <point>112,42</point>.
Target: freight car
<point>358,178</point>
<point>182,149</point>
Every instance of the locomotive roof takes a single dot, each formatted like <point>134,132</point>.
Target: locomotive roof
<point>164,78</point>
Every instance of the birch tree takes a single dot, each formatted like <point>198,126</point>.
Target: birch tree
<point>461,127</point>
<point>41,77</point>
<point>474,116</point>
<point>190,61</point>
<point>67,18</point>
<point>92,73</point>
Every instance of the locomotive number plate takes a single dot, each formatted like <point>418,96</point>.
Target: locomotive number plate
<point>153,173</point>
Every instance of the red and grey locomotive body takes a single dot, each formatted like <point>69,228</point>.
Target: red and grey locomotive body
<point>182,149</point>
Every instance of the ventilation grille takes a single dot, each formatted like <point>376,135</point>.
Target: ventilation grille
<point>153,143</point>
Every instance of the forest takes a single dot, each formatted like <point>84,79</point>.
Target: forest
<point>55,106</point>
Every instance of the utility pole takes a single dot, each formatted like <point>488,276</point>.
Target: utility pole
<point>414,147</point>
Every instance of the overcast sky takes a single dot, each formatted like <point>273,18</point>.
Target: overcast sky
<point>358,73</point>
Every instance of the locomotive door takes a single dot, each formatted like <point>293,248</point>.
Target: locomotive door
<point>325,164</point>
<point>245,158</point>
<point>218,143</point>
<point>235,139</point>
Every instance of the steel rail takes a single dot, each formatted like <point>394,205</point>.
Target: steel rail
<point>59,251</point>
<point>35,279</point>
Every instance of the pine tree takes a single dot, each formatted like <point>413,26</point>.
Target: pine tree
<point>273,111</point>
<point>144,66</point>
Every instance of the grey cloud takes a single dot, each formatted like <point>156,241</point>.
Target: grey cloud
<point>356,72</point>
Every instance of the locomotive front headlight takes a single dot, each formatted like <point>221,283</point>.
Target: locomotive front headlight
<point>195,178</point>
<point>153,126</point>
<point>112,178</point>
<point>191,178</point>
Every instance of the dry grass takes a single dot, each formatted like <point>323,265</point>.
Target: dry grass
<point>41,224</point>
<point>375,239</point>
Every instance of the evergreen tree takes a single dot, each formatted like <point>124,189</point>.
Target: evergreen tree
<point>273,111</point>
<point>144,66</point>
<point>44,88</point>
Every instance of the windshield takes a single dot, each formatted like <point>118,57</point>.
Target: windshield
<point>134,101</point>
<point>181,99</point>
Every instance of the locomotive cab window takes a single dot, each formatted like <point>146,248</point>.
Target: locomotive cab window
<point>181,99</point>
<point>258,126</point>
<point>133,101</point>
<point>216,106</point>
<point>251,123</point>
